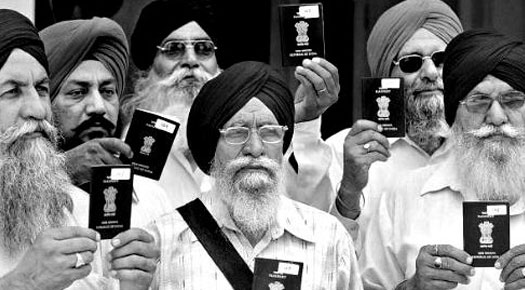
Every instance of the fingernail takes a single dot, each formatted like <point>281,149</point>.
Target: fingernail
<point>115,242</point>
<point>97,237</point>
<point>472,272</point>
<point>307,61</point>
<point>497,265</point>
<point>469,260</point>
<point>113,274</point>
<point>523,271</point>
<point>379,128</point>
<point>316,59</point>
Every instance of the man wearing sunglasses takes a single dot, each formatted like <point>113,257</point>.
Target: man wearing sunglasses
<point>407,41</point>
<point>175,45</point>
<point>417,237</point>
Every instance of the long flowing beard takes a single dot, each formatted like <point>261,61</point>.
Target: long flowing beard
<point>32,185</point>
<point>426,124</point>
<point>252,196</point>
<point>490,161</point>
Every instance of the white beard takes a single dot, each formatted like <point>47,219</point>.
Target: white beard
<point>491,162</point>
<point>252,197</point>
<point>33,184</point>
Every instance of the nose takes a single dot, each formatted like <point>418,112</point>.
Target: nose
<point>95,104</point>
<point>429,71</point>
<point>35,106</point>
<point>189,59</point>
<point>254,146</point>
<point>496,115</point>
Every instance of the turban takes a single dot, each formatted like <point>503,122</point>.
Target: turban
<point>160,18</point>
<point>223,96</point>
<point>68,43</point>
<point>17,31</point>
<point>399,23</point>
<point>473,55</point>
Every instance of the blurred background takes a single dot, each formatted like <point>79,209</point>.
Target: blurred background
<point>249,30</point>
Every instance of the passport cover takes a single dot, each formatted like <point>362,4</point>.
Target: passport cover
<point>302,32</point>
<point>383,102</point>
<point>150,136</point>
<point>485,231</point>
<point>110,199</point>
<point>277,274</point>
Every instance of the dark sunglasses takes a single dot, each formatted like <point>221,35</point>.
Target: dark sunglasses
<point>177,48</point>
<point>413,62</point>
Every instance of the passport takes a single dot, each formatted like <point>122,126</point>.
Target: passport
<point>485,231</point>
<point>302,32</point>
<point>277,274</point>
<point>110,199</point>
<point>383,101</point>
<point>150,136</point>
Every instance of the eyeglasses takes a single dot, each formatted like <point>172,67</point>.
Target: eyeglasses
<point>177,48</point>
<point>413,62</point>
<point>481,103</point>
<point>239,135</point>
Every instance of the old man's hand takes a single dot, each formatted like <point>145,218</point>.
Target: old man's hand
<point>512,265</point>
<point>318,89</point>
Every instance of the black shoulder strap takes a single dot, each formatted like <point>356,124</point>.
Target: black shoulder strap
<point>217,244</point>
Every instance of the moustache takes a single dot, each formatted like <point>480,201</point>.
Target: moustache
<point>491,130</point>
<point>95,121</point>
<point>179,74</point>
<point>261,163</point>
<point>14,133</point>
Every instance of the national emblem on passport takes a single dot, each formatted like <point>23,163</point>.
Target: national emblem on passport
<point>382,103</point>
<point>486,231</point>
<point>110,194</point>
<point>146,147</point>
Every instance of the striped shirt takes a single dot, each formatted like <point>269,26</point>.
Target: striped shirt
<point>302,234</point>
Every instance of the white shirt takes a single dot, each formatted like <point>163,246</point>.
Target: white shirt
<point>303,234</point>
<point>424,209</point>
<point>405,156</point>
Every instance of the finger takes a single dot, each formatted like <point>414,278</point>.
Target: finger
<point>329,67</point>
<point>116,146</point>
<point>314,71</point>
<point>65,233</point>
<point>363,125</point>
<point>516,263</point>
<point>133,234</point>
<point>86,258</point>
<point>147,250</point>
<point>517,274</point>
<point>133,275</point>
<point>304,81</point>
<point>377,147</point>
<point>365,137</point>
<point>78,273</point>
<point>519,284</point>
<point>459,268</point>
<point>134,262</point>
<point>75,245</point>
<point>508,256</point>
<point>316,80</point>
<point>453,252</point>
<point>440,284</point>
<point>448,276</point>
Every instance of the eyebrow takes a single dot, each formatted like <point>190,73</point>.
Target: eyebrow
<point>90,83</point>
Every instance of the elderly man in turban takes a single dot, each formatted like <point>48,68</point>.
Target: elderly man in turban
<point>41,244</point>
<point>175,45</point>
<point>238,128</point>
<point>87,78</point>
<point>407,41</point>
<point>417,236</point>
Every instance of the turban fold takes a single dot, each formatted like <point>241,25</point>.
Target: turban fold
<point>473,55</point>
<point>17,31</point>
<point>160,18</point>
<point>68,43</point>
<point>399,23</point>
<point>222,97</point>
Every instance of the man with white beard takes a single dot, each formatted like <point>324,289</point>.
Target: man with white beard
<point>407,41</point>
<point>416,239</point>
<point>239,126</point>
<point>175,43</point>
<point>42,245</point>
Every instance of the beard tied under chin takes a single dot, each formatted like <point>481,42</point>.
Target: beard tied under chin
<point>33,193</point>
<point>252,196</point>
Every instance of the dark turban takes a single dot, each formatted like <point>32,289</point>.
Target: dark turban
<point>473,55</point>
<point>160,18</point>
<point>17,31</point>
<point>399,23</point>
<point>223,96</point>
<point>68,43</point>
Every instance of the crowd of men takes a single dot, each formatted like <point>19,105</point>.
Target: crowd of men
<point>358,211</point>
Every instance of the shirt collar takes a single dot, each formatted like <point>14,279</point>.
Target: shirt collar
<point>289,218</point>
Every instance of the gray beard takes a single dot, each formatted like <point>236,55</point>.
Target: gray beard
<point>33,186</point>
<point>491,167</point>
<point>252,198</point>
<point>426,124</point>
